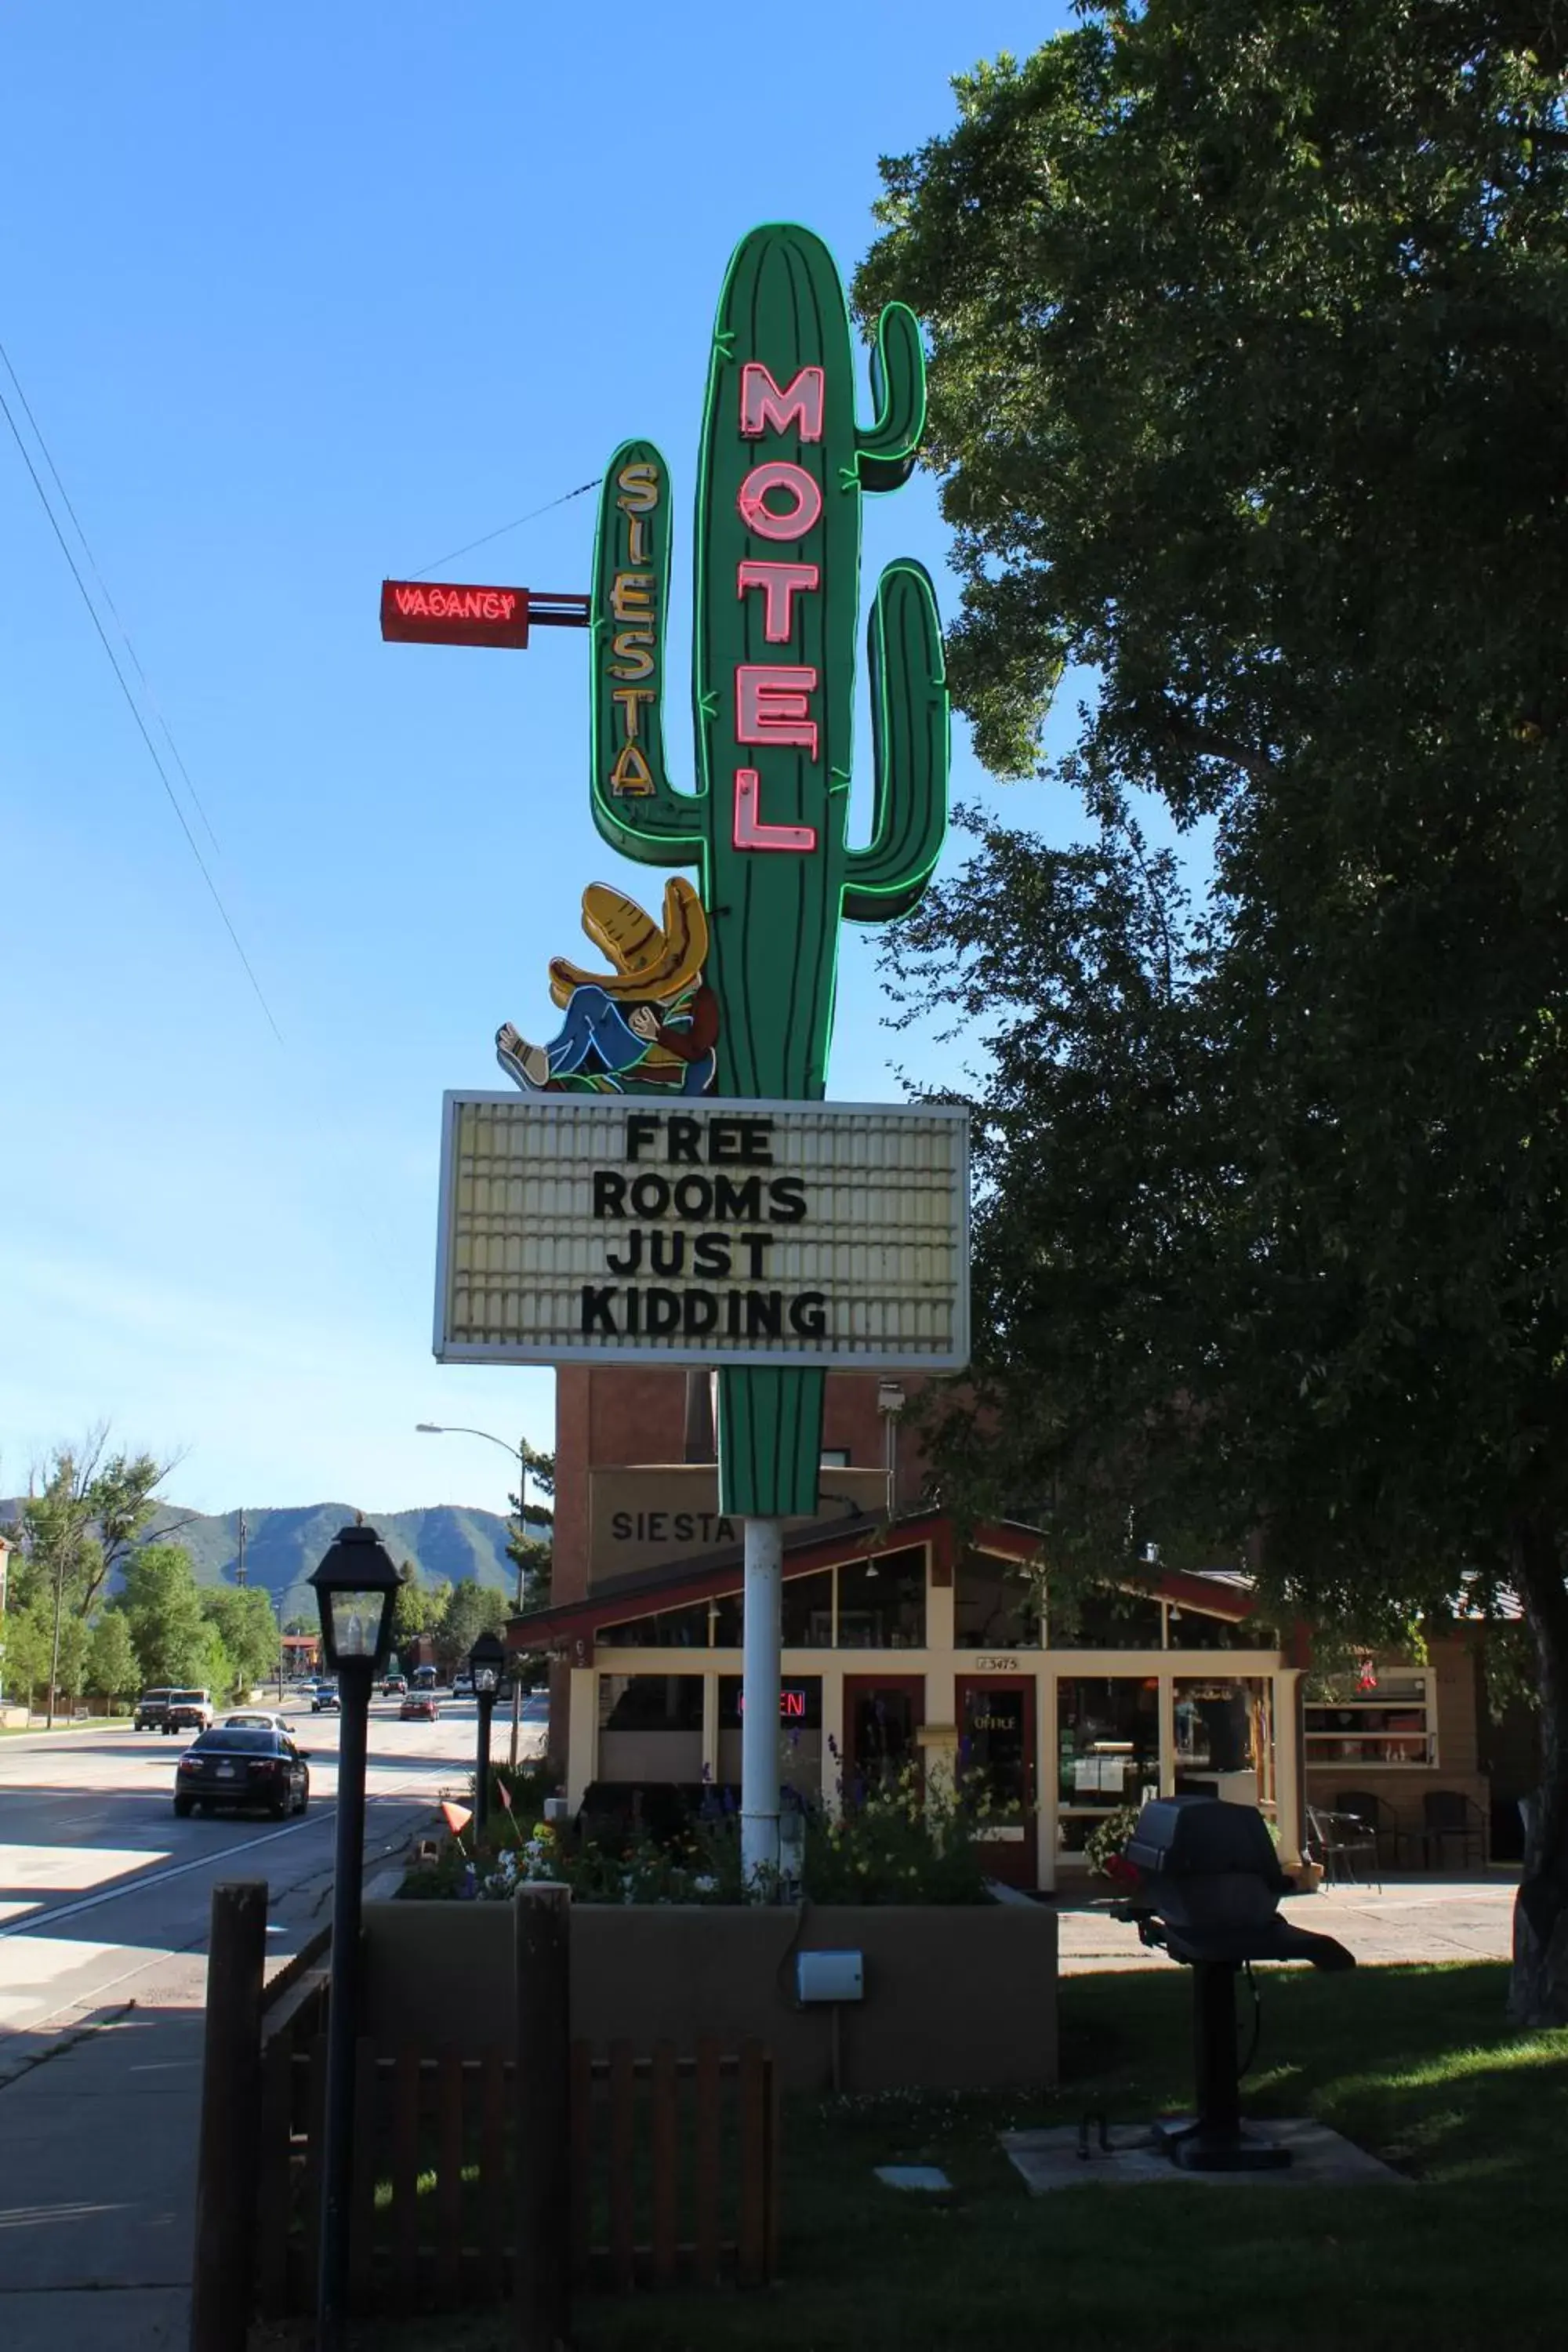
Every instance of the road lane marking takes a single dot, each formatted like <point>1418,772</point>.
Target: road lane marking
<point>161,1877</point>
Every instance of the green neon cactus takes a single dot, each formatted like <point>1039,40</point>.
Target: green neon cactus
<point>765,825</point>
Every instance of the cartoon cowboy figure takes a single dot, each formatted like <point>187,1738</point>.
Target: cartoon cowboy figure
<point>651,1020</point>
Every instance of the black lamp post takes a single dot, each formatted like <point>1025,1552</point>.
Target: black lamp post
<point>487,1663</point>
<point>356,1591</point>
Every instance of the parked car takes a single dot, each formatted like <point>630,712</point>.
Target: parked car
<point>151,1709</point>
<point>419,1706</point>
<point>253,1718</point>
<point>394,1687</point>
<point>189,1710</point>
<point>244,1768</point>
<point>324,1699</point>
<point>462,1687</point>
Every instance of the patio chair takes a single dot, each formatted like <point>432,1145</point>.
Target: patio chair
<point>1344,1846</point>
<point>1377,1813</point>
<point>1448,1815</point>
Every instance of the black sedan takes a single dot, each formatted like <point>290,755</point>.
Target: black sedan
<point>242,1767</point>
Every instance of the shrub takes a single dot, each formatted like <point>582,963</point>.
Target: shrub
<point>1105,1841</point>
<point>898,1842</point>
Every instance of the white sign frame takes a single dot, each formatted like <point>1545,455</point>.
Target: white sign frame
<point>656,1351</point>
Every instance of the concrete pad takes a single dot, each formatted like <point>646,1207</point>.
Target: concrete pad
<point>928,2178</point>
<point>131,2319</point>
<point>1320,2159</point>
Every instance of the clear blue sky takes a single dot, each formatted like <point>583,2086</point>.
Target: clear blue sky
<point>302,295</point>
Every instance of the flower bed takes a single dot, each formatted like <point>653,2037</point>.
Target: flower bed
<point>901,1843</point>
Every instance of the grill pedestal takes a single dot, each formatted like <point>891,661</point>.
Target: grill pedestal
<point>1214,2140</point>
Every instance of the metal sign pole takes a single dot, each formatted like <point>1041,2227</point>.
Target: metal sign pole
<point>760,1702</point>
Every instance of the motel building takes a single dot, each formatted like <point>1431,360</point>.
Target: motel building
<point>899,1648</point>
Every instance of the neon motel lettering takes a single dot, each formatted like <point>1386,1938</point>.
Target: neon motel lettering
<point>772,701</point>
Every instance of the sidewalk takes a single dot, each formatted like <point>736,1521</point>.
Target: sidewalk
<point>98,2164</point>
<point>98,2139</point>
<point>1418,1919</point>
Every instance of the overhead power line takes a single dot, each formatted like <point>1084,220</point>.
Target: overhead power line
<point>164,726</point>
<point>136,715</point>
<point>532,516</point>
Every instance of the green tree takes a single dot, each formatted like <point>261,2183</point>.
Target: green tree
<point>113,1667</point>
<point>28,1637</point>
<point>244,1621</point>
<point>471,1609</point>
<point>1249,328</point>
<point>532,1555</point>
<point>74,1531</point>
<point>411,1609</point>
<point>174,1638</point>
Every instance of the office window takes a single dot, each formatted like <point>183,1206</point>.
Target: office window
<point>882,1601</point>
<point>994,1606</point>
<point>650,1728</point>
<point>1105,1618</point>
<point>667,1629</point>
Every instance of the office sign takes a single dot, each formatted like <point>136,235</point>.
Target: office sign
<point>576,1230</point>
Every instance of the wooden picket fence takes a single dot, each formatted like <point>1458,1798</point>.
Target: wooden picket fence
<point>673,2165</point>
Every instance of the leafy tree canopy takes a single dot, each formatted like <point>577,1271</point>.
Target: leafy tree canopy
<point>1250,321</point>
<point>471,1609</point>
<point>173,1636</point>
<point>113,1669</point>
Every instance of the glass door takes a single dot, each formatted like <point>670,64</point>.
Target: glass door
<point>882,1718</point>
<point>996,1750</point>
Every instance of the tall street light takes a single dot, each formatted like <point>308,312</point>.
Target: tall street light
<point>487,1663</point>
<point>356,1592</point>
<point>519,1456</point>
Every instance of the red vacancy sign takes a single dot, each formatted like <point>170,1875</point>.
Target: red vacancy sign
<point>442,613</point>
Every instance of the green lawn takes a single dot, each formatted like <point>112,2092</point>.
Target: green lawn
<point>1413,2063</point>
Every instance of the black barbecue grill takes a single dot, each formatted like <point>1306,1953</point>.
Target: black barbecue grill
<point>1209,1885</point>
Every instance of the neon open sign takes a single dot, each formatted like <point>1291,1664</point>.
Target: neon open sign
<point>446,612</point>
<point>792,1706</point>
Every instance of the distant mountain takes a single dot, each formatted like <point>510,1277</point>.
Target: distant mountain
<point>282,1545</point>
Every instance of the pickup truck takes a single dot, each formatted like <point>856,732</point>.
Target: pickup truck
<point>188,1710</point>
<point>152,1708</point>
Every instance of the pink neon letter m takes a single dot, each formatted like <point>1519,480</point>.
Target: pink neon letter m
<point>765,408</point>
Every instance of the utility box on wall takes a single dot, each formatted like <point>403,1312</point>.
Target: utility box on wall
<point>830,1976</point>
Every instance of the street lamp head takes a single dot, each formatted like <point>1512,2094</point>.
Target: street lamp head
<point>356,1587</point>
<point>486,1662</point>
<point>430,1429</point>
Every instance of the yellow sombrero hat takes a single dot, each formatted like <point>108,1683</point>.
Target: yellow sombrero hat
<point>649,959</point>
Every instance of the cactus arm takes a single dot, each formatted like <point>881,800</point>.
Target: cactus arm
<point>635,807</point>
<point>910,740</point>
<point>885,456</point>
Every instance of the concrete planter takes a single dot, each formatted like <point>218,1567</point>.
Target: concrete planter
<point>957,1998</point>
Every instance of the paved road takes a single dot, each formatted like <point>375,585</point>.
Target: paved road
<point>100,1885</point>
<point>104,1900</point>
